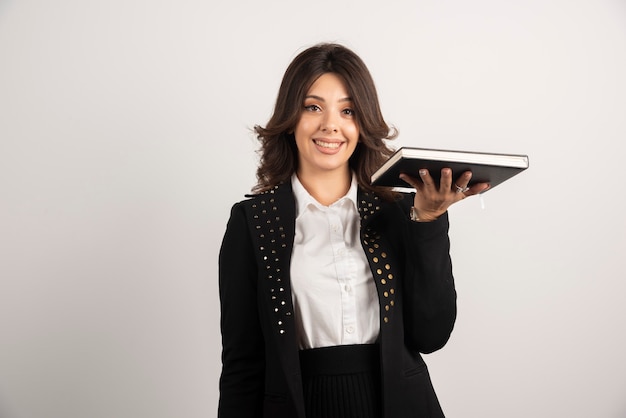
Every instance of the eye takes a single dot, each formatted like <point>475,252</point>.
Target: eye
<point>312,108</point>
<point>348,112</point>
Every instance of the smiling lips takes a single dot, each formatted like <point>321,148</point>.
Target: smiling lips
<point>326,145</point>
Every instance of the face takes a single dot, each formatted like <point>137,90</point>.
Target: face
<point>327,132</point>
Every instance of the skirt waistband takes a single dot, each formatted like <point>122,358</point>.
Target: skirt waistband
<point>340,359</point>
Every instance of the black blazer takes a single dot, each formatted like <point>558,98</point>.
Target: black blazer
<point>411,265</point>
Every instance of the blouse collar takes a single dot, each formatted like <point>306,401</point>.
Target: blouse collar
<point>304,200</point>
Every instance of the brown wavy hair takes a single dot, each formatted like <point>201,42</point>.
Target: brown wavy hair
<point>278,152</point>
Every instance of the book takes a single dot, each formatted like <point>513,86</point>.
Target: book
<point>485,167</point>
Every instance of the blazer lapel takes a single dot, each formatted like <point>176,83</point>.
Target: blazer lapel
<point>273,216</point>
<point>381,260</point>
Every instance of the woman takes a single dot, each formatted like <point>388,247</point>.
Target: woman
<point>331,288</point>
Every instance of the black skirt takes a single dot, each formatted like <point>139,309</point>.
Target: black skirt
<point>342,381</point>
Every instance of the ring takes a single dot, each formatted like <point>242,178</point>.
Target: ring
<point>460,189</point>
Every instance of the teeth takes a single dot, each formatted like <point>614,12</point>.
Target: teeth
<point>331,145</point>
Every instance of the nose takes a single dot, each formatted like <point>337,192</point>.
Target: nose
<point>329,123</point>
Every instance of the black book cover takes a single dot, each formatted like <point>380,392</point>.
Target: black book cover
<point>489,168</point>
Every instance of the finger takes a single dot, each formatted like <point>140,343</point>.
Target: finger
<point>461,184</point>
<point>412,181</point>
<point>426,178</point>
<point>445,183</point>
<point>477,188</point>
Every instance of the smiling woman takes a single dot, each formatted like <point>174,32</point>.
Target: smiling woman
<point>326,137</point>
<point>330,287</point>
<point>279,158</point>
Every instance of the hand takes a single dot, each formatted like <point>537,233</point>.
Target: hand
<point>432,201</point>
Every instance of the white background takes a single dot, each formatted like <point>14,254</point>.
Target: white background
<point>125,139</point>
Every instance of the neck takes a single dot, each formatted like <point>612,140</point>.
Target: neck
<point>327,187</point>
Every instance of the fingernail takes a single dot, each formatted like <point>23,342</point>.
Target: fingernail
<point>422,172</point>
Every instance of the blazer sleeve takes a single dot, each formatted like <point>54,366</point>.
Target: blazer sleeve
<point>243,365</point>
<point>429,294</point>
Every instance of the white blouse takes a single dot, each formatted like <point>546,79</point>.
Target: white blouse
<point>333,291</point>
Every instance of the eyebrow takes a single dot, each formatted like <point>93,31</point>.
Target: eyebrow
<point>321,99</point>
